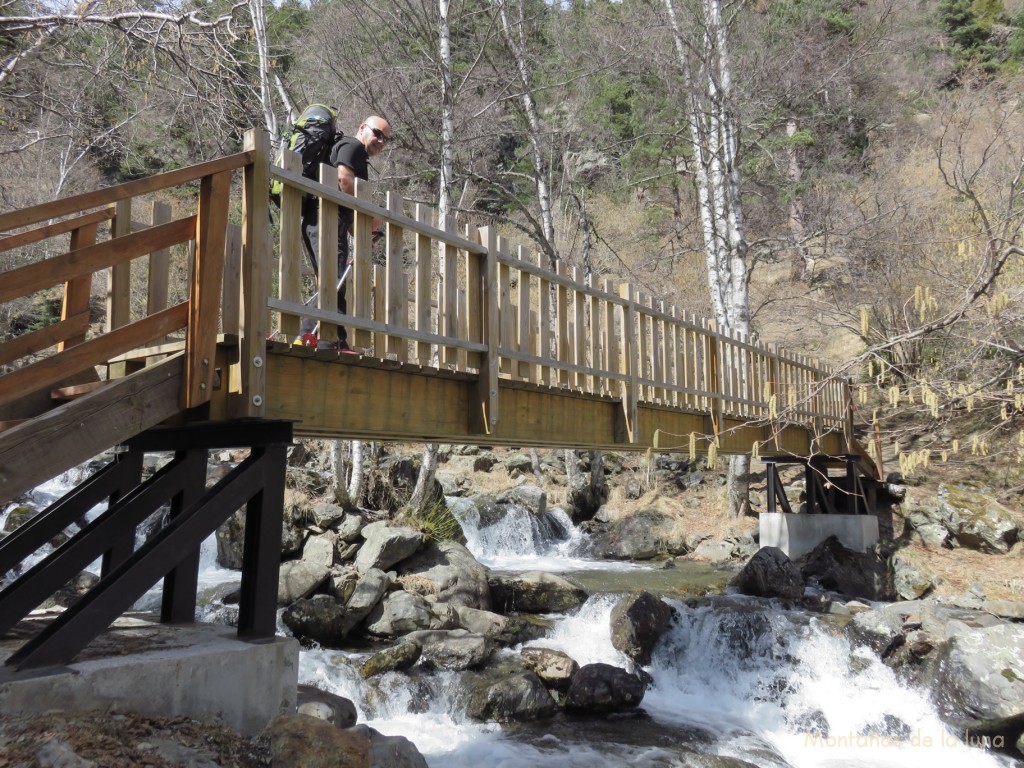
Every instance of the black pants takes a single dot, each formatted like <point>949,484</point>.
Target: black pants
<point>310,233</point>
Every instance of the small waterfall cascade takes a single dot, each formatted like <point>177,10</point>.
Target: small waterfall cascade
<point>509,535</point>
<point>732,680</point>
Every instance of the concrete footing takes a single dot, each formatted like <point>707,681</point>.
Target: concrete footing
<point>198,670</point>
<point>796,535</point>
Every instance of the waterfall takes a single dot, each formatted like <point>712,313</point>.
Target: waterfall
<point>511,535</point>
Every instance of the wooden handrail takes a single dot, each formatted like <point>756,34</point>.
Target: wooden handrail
<point>26,217</point>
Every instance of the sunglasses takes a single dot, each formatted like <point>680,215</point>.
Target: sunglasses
<point>380,135</point>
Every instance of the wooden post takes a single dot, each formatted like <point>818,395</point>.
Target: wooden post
<point>327,255</point>
<point>159,263</point>
<point>475,303</point>
<point>715,381</point>
<point>562,318</point>
<point>362,268</point>
<point>488,377</point>
<point>119,278</point>
<point>579,345</point>
<point>250,380</point>
<point>612,361</point>
<point>423,261</point>
<point>544,320</point>
<point>76,290</point>
<point>506,320</point>
<point>205,290</point>
<point>448,301</point>
<point>231,307</point>
<point>630,388</point>
<point>290,266</point>
<point>524,370</point>
<point>397,288</point>
<point>379,310</point>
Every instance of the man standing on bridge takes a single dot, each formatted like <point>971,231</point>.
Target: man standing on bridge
<point>350,155</point>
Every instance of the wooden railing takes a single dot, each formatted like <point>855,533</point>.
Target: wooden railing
<point>458,299</point>
<point>84,258</point>
<point>438,295</point>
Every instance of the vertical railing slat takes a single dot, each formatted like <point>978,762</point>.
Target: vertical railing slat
<point>397,288</point>
<point>290,247</point>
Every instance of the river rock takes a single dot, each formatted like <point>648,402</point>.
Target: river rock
<point>320,618</point>
<point>343,583</point>
<point>386,545</point>
<point>770,573</point>
<point>230,537</point>
<point>325,515</point>
<point>303,741</point>
<point>535,592</point>
<point>320,549</point>
<point>908,581</point>
<point>979,683</point>
<point>854,574</point>
<point>530,496</point>
<point>367,594</point>
<point>645,534</point>
<point>505,698</point>
<point>391,751</point>
<point>350,527</point>
<point>69,594</point>
<point>880,630</point>
<point>451,648</point>
<point>637,623</point>
<point>455,575</point>
<point>399,613</point>
<point>715,551</point>
<point>486,623</point>
<point>554,668</point>
<point>584,498</point>
<point>970,519</point>
<point>600,688</point>
<point>298,579</point>
<point>326,706</point>
<point>400,656</point>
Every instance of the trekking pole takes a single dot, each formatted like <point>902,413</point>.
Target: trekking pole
<point>311,339</point>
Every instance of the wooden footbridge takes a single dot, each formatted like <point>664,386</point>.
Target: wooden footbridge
<point>462,341</point>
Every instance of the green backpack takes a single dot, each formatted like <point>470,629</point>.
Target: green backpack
<point>312,137</point>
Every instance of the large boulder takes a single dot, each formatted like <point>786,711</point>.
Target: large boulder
<point>960,516</point>
<point>368,592</point>
<point>297,579</point>
<point>391,751</point>
<point>638,622</point>
<point>451,648</point>
<point>399,613</point>
<point>854,574</point>
<point>534,592</point>
<point>601,688</point>
<point>301,741</point>
<point>320,618</point>
<point>321,549</point>
<point>979,683</point>
<point>643,535</point>
<point>454,576</point>
<point>909,582</point>
<point>509,696</point>
<point>533,497</point>
<point>770,573</point>
<point>386,545</point>
<point>554,668</point>
<point>400,656</point>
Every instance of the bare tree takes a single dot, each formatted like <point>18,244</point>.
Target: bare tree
<point>703,59</point>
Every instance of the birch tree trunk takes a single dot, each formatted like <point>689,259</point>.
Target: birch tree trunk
<point>355,484</point>
<point>428,464</point>
<point>703,59</point>
<point>513,28</point>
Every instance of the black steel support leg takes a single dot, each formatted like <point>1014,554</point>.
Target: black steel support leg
<point>178,601</point>
<point>261,554</point>
<point>771,471</point>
